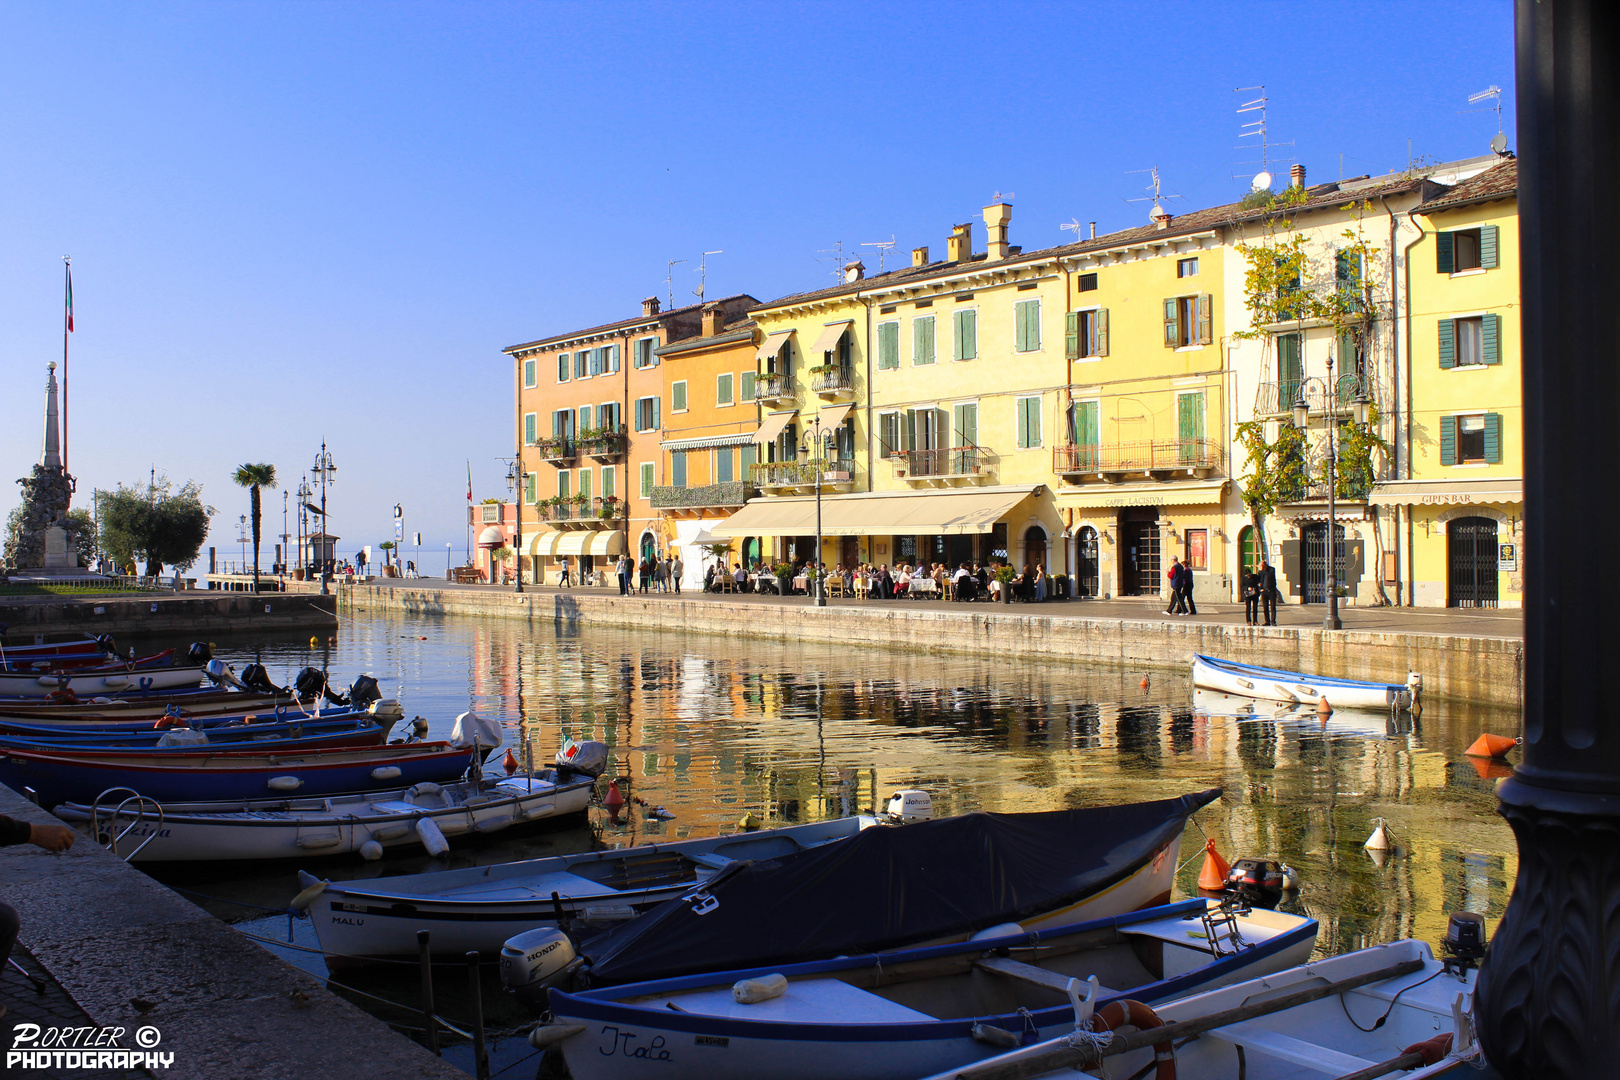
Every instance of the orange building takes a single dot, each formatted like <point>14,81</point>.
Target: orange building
<point>708,446</point>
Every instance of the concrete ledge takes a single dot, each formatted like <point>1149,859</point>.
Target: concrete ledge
<point>161,613</point>
<point>109,933</point>
<point>1487,670</point>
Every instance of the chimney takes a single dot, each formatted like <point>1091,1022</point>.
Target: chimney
<point>959,245</point>
<point>1160,216</point>
<point>713,319</point>
<point>919,256</point>
<point>650,306</point>
<point>996,217</point>
<point>854,271</point>
<point>1296,176</point>
<point>1094,230</point>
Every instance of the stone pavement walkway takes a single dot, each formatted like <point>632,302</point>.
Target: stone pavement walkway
<point>1455,622</point>
<point>37,998</point>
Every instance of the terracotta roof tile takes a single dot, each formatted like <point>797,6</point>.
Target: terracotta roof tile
<point>1497,182</point>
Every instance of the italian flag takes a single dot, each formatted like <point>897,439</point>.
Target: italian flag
<point>70,300</point>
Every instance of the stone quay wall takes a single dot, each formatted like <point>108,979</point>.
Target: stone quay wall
<point>1485,670</point>
<point>167,613</point>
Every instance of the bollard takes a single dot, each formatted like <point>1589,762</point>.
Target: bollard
<point>427,990</point>
<point>480,1049</point>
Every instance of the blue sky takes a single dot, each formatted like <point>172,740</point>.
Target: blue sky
<point>295,221</point>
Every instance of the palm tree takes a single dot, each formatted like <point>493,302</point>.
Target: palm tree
<point>254,477</point>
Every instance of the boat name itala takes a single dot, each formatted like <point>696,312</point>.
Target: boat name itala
<point>619,1043</point>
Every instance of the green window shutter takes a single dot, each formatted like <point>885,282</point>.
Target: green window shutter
<point>1448,440</point>
<point>529,421</point>
<point>529,490</point>
<point>1190,418</point>
<point>562,368</point>
<point>1493,438</point>
<point>585,482</point>
<point>967,334</point>
<point>1444,253</point>
<point>908,432</point>
<point>1488,247</point>
<point>722,392</point>
<point>722,465</point>
<point>922,341</point>
<point>888,345</point>
<point>1290,372</point>
<point>1023,423</point>
<point>888,433</point>
<point>1027,323</point>
<point>1088,423</point>
<point>1491,338</point>
<point>585,418</point>
<point>607,482</point>
<point>1071,335</point>
<point>966,431</point>
<point>562,483</point>
<point>748,385</point>
<point>1205,319</point>
<point>749,458</point>
<point>677,468</point>
<point>1171,334</point>
<point>556,424</point>
<point>1102,331</point>
<point>677,397</point>
<point>1448,343</point>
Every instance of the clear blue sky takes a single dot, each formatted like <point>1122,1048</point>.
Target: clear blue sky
<point>295,221</point>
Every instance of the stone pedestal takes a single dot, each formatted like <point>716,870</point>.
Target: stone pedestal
<point>57,555</point>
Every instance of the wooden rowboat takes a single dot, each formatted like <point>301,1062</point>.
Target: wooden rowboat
<point>1273,684</point>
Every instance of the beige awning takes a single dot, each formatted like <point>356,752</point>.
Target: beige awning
<point>572,543</point>
<point>771,346</point>
<point>828,341</point>
<point>831,416</point>
<point>876,514</point>
<point>605,543</point>
<point>1503,491</point>
<point>773,424</point>
<point>1192,493</point>
<point>544,545</point>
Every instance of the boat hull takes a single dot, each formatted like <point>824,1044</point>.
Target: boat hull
<point>100,681</point>
<point>1294,688</point>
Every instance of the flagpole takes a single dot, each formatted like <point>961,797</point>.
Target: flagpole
<point>67,328</point>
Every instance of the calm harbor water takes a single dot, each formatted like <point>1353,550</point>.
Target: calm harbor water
<point>710,728</point>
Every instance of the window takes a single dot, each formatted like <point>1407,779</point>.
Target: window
<point>610,361</point>
<point>722,390</point>
<point>582,364</point>
<point>1027,325</point>
<point>584,419</point>
<point>1186,268</point>
<point>646,479</point>
<point>529,489</point>
<point>746,385</point>
<point>722,465</point>
<point>1462,250</point>
<point>1083,424</point>
<point>888,345</point>
<point>647,414</point>
<point>1029,422</point>
<point>1187,321</point>
<point>644,352</point>
<point>922,340</point>
<point>677,468</point>
<point>607,415</point>
<point>1347,275</point>
<point>530,425</point>
<point>1087,336</point>
<point>750,456</point>
<point>889,434</point>
<point>1290,371</point>
<point>562,483</point>
<point>607,481</point>
<point>965,422</point>
<point>1190,425</point>
<point>1471,342</point>
<point>1197,557</point>
<point>585,483</point>
<point>677,397</point>
<point>529,375</point>
<point>1474,439</point>
<point>844,441</point>
<point>966,345</point>
<point>562,424</point>
<point>1088,282</point>
<point>598,361</point>
<point>564,367</point>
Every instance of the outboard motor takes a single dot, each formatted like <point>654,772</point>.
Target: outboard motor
<point>536,957</point>
<point>363,691</point>
<point>200,653</point>
<point>588,758</point>
<point>105,643</point>
<point>309,683</point>
<point>909,806</point>
<point>257,679</point>
<point>220,674</point>
<point>1259,882</point>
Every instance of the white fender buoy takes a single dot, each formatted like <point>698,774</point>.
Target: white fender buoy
<point>285,783</point>
<point>1379,840</point>
<point>431,837</point>
<point>550,1034</point>
<point>390,832</point>
<point>753,991</point>
<point>385,772</point>
<point>307,897</point>
<point>1290,878</point>
<point>371,851</point>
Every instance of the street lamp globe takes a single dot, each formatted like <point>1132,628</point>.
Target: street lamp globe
<point>1359,407</point>
<point>1302,412</point>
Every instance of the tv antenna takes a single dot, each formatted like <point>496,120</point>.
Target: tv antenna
<point>1493,94</point>
<point>1157,197</point>
<point>669,280</point>
<point>835,254</point>
<point>1256,129</point>
<point>703,273</point>
<point>1003,196</point>
<point>884,247</point>
<point>1073,225</point>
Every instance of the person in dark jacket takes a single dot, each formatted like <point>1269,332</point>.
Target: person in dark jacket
<point>1268,592</point>
<point>49,837</point>
<point>1250,588</point>
<point>1178,603</point>
<point>1187,590</point>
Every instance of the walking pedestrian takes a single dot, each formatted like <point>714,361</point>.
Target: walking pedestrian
<point>677,567</point>
<point>1268,592</point>
<point>1178,605</point>
<point>626,567</point>
<point>1190,607</point>
<point>1249,587</point>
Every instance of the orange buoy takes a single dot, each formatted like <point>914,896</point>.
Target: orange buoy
<point>509,762</point>
<point>1213,875</point>
<point>1491,746</point>
<point>1324,708</point>
<point>1144,682</point>
<point>1491,768</point>
<point>614,801</point>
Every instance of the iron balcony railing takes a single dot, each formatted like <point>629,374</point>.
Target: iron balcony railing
<point>772,387</point>
<point>947,461</point>
<point>608,507</point>
<point>1277,398</point>
<point>803,472</point>
<point>568,511</point>
<point>1159,455</point>
<point>556,449</point>
<point>605,445</point>
<point>827,382</point>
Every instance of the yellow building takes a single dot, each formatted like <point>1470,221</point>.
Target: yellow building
<point>1461,490</point>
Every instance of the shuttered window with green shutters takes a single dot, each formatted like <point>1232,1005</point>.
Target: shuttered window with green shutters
<point>967,334</point>
<point>922,340</point>
<point>722,389</point>
<point>1290,371</point>
<point>1086,334</point>
<point>529,428</point>
<point>1489,246</point>
<point>1491,338</point>
<point>1493,438</point>
<point>1190,424</point>
<point>1205,331</point>
<point>1071,335</point>
<point>562,367</point>
<point>677,396</point>
<point>1448,440</point>
<point>1084,433</point>
<point>585,483</point>
<point>584,419</point>
<point>1027,325</point>
<point>1172,324</point>
<point>528,374</point>
<point>607,482</point>
<point>1029,422</point>
<point>888,345</point>
<point>722,465</point>
<point>1101,332</point>
<point>746,384</point>
<point>966,425</point>
<point>677,468</point>
<point>889,434</point>
<point>1444,253</point>
<point>529,491</point>
<point>1448,343</point>
<point>646,479</point>
<point>750,458</point>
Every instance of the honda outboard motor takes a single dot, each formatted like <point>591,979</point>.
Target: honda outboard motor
<point>1257,881</point>
<point>363,691</point>
<point>199,653</point>
<point>255,678</point>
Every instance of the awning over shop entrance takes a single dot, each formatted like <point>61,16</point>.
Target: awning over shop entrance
<point>573,543</point>
<point>901,513</point>
<point>1503,491</point>
<point>606,544</point>
<point>1193,493</point>
<point>773,424</point>
<point>544,545</point>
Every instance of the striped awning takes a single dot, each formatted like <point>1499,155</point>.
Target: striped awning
<point>771,346</point>
<point>544,545</point>
<point>773,424</point>
<point>973,510</point>
<point>828,339</point>
<point>1506,490</point>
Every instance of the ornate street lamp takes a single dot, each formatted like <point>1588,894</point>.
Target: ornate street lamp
<point>818,440</point>
<point>326,470</point>
<point>1302,420</point>
<point>515,480</point>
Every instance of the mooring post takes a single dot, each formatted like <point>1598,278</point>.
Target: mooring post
<point>426,965</point>
<point>476,989</point>
<point>1547,1005</point>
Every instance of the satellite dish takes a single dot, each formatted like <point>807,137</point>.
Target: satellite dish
<point>1262,181</point>
<point>1499,143</point>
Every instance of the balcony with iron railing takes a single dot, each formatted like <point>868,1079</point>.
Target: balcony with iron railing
<point>1278,398</point>
<point>772,387</point>
<point>836,473</point>
<point>559,451</point>
<point>1163,457</point>
<point>677,500</point>
<point>494,513</point>
<point>834,382</point>
<point>942,464</point>
<point>606,446</point>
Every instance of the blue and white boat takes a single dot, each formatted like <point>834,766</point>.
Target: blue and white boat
<point>915,1011</point>
<point>1296,688</point>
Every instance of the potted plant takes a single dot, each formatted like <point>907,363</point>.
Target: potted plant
<point>610,507</point>
<point>1005,575</point>
<point>784,577</point>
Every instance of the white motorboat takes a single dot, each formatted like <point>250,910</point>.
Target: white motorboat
<point>1296,688</point>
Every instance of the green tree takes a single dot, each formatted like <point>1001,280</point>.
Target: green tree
<point>84,524</point>
<point>163,526</point>
<point>254,477</point>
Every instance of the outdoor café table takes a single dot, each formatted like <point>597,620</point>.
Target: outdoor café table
<point>801,583</point>
<point>923,586</point>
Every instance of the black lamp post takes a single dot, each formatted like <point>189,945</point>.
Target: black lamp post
<point>817,441</point>
<point>1302,419</point>
<point>515,480</point>
<point>326,470</point>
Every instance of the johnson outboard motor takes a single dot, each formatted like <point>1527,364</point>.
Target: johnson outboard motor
<point>199,653</point>
<point>255,678</point>
<point>363,691</point>
<point>1259,882</point>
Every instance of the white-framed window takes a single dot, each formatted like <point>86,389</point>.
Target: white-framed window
<point>745,385</point>
<point>607,415</point>
<point>564,477</point>
<point>677,396</point>
<point>1029,422</point>
<point>922,340</point>
<point>1188,321</point>
<point>565,367</point>
<point>585,418</point>
<point>723,395</point>
<point>965,336</point>
<point>1187,267</point>
<point>529,490</point>
<point>582,364</point>
<point>610,358</point>
<point>1027,325</point>
<point>530,428</point>
<point>530,374</point>
<point>585,482</point>
<point>608,486</point>
<point>647,414</point>
<point>891,434</point>
<point>1088,334</point>
<point>644,352</point>
<point>888,335</point>
<point>648,476</point>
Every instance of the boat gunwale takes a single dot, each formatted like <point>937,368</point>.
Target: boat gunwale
<point>1234,667</point>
